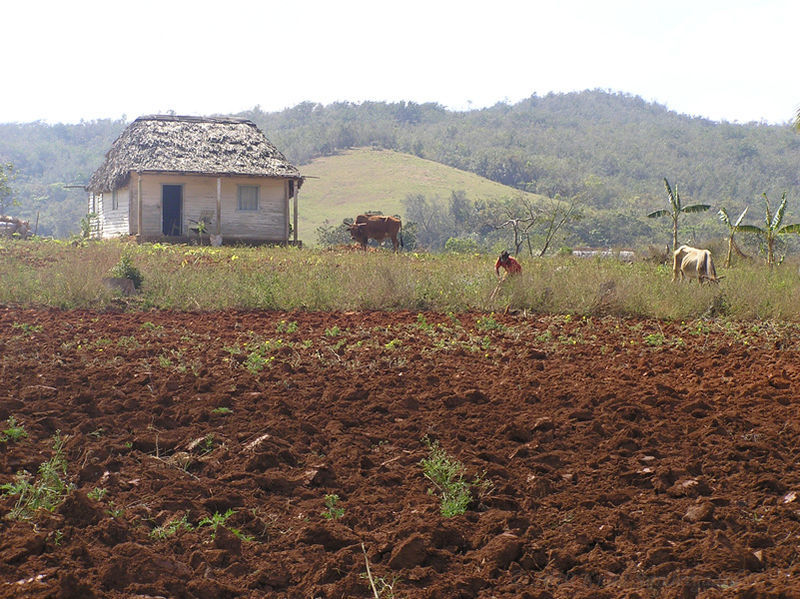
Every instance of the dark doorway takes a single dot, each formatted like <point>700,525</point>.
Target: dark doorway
<point>171,204</point>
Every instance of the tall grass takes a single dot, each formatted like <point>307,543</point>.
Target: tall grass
<point>53,274</point>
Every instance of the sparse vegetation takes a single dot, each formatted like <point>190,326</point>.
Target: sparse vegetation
<point>44,492</point>
<point>125,269</point>
<point>380,586</point>
<point>57,275</point>
<point>447,475</point>
<point>97,493</point>
<point>218,520</point>
<point>172,527</point>
<point>332,508</point>
<point>14,431</point>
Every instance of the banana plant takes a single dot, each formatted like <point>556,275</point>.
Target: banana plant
<point>675,210</point>
<point>773,227</point>
<point>732,228</point>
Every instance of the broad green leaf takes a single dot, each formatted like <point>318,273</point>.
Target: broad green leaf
<point>674,198</point>
<point>696,208</point>
<point>794,228</point>
<point>778,218</point>
<point>751,229</point>
<point>741,216</point>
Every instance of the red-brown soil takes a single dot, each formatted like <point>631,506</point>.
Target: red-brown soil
<point>626,458</point>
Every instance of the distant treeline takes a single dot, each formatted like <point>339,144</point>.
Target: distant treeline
<point>613,149</point>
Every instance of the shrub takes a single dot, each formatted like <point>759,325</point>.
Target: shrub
<point>124,269</point>
<point>447,476</point>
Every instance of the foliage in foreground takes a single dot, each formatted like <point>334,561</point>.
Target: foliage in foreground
<point>46,492</point>
<point>447,476</point>
<point>14,431</point>
<point>180,277</point>
<point>125,269</point>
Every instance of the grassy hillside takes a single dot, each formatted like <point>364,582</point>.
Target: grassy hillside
<point>364,179</point>
<point>612,150</point>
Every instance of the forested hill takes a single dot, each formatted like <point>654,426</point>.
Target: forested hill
<point>614,148</point>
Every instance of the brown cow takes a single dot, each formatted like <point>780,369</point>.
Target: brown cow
<point>373,226</point>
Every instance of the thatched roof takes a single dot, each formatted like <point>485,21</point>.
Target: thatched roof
<point>218,146</point>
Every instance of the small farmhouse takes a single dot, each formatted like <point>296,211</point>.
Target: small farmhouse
<point>176,178</point>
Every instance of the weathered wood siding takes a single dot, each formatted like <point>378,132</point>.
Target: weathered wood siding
<point>268,223</point>
<point>112,222</point>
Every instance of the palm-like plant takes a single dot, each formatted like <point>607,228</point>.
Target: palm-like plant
<point>773,227</point>
<point>732,228</point>
<point>675,210</point>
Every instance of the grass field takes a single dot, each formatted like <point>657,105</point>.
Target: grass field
<point>53,274</point>
<point>359,180</point>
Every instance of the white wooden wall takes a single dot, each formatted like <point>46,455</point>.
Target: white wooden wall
<point>110,222</point>
<point>268,223</point>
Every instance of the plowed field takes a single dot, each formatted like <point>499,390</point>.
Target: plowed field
<point>618,458</point>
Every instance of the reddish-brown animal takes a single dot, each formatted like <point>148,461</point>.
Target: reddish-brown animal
<point>378,228</point>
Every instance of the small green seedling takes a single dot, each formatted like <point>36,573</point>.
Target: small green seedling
<point>332,511</point>
<point>171,528</point>
<point>218,520</point>
<point>14,432</point>
<point>27,329</point>
<point>97,493</point>
<point>287,327</point>
<point>207,445</point>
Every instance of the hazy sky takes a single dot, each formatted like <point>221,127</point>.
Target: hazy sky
<point>733,60</point>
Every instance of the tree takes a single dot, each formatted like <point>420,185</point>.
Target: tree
<point>521,217</point>
<point>675,210</point>
<point>769,234</point>
<point>557,215</point>
<point>732,228</point>
<point>7,196</point>
<point>329,234</point>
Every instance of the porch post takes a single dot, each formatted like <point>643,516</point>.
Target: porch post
<point>139,206</point>
<point>219,203</point>
<point>296,193</point>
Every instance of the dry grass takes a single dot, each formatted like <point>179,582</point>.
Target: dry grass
<point>53,274</point>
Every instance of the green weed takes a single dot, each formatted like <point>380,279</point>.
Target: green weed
<point>171,528</point>
<point>287,327</point>
<point>97,493</point>
<point>14,432</point>
<point>488,323</point>
<point>27,329</point>
<point>332,509</point>
<point>447,476</point>
<point>217,520</point>
<point>46,492</point>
